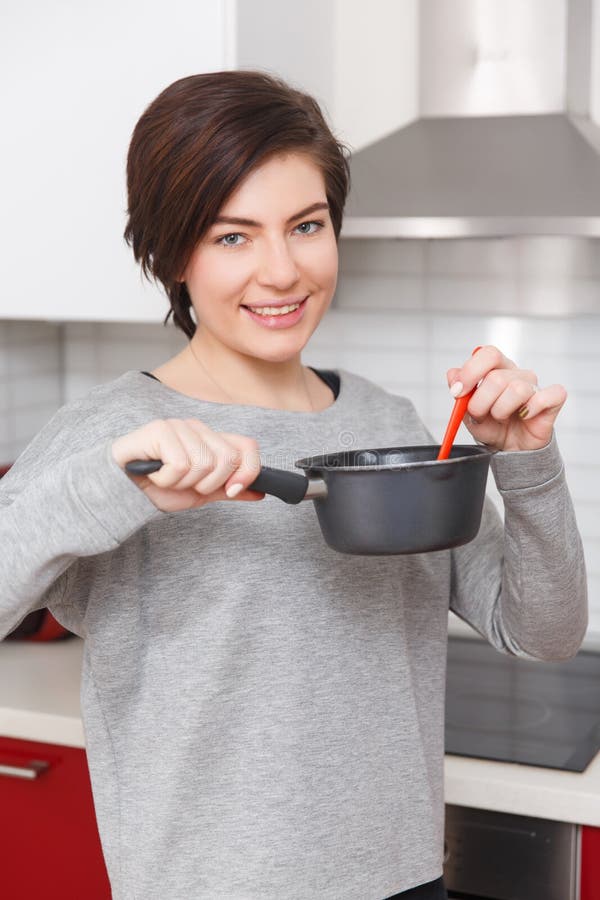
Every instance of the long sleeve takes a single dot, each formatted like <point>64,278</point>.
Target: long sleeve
<point>525,590</point>
<point>79,506</point>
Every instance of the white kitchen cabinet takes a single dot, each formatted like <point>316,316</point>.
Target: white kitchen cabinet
<point>75,78</point>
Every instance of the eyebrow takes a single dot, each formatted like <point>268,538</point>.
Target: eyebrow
<point>233,220</point>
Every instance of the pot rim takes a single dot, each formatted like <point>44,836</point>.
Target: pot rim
<point>476,452</point>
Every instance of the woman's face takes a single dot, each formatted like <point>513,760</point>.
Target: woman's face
<point>273,244</point>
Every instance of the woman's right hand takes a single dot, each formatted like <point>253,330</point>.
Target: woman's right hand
<point>199,464</point>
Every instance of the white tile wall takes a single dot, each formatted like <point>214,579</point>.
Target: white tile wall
<point>404,312</point>
<point>30,382</point>
<point>99,352</point>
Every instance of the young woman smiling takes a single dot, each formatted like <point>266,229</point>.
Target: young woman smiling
<point>264,717</point>
<point>245,350</point>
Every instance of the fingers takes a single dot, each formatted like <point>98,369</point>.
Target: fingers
<point>247,466</point>
<point>213,458</point>
<point>487,359</point>
<point>236,461</point>
<point>546,402</point>
<point>501,387</point>
<point>197,458</point>
<point>507,410</point>
<point>170,445</point>
<point>501,393</point>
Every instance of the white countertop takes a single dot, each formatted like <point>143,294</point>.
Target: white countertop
<point>39,691</point>
<point>525,790</point>
<point>39,701</point>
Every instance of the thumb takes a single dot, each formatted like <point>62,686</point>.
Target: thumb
<point>451,375</point>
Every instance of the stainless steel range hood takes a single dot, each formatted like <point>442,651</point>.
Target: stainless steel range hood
<point>468,175</point>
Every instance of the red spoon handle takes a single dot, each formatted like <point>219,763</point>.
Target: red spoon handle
<point>456,417</point>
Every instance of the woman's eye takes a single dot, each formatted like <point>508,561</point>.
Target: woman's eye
<point>230,240</point>
<point>235,239</point>
<point>304,227</point>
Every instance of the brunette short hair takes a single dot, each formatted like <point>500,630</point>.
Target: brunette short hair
<point>194,145</point>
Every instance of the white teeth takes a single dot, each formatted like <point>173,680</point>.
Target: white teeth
<point>274,310</point>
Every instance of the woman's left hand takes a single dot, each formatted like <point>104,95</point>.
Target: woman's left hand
<point>507,411</point>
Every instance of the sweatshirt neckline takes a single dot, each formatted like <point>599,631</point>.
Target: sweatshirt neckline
<point>317,414</point>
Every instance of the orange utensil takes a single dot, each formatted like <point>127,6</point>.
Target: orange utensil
<point>456,417</point>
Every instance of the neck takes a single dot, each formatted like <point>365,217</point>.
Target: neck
<point>246,379</point>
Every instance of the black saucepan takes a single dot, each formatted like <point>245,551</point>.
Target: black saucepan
<point>383,501</point>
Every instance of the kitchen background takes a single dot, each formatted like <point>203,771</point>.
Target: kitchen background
<point>73,309</point>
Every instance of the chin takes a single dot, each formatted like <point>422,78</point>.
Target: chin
<point>273,347</point>
<point>286,351</point>
<point>281,356</point>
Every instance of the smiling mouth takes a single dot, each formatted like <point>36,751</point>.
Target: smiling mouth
<point>275,310</point>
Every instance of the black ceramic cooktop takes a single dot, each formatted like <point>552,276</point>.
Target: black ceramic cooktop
<point>506,708</point>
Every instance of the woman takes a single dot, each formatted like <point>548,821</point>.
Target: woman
<point>264,717</point>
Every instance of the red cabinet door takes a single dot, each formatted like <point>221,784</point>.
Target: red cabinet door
<point>590,863</point>
<point>49,844</point>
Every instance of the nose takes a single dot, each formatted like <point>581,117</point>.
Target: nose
<point>277,266</point>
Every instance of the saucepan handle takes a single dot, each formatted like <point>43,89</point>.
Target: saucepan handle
<point>291,487</point>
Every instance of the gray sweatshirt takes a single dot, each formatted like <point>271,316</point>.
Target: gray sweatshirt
<point>264,717</point>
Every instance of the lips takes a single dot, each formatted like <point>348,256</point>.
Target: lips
<point>276,304</point>
<point>280,320</point>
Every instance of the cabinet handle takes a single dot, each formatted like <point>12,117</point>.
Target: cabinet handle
<point>29,772</point>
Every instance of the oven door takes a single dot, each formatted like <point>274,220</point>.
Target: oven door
<point>508,857</point>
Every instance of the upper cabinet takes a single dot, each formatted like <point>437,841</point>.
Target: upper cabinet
<point>75,78</point>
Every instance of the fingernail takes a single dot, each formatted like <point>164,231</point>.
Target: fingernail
<point>456,389</point>
<point>523,412</point>
<point>233,490</point>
